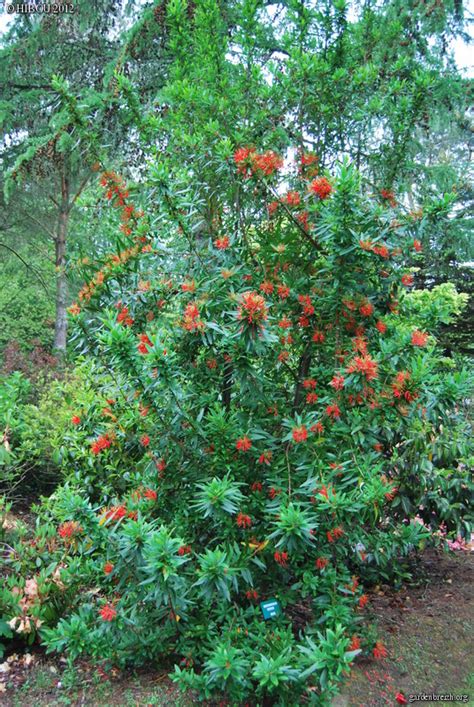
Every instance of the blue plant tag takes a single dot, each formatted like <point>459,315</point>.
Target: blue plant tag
<point>270,608</point>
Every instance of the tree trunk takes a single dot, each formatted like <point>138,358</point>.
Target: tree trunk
<point>60,329</point>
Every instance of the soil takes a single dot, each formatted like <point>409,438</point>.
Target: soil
<point>427,628</point>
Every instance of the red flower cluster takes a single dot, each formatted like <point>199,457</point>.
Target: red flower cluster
<point>407,280</point>
<point>306,304</point>
<point>364,365</point>
<point>256,486</point>
<point>150,494</point>
<point>283,291</point>
<point>108,568</point>
<point>321,563</point>
<point>417,246</point>
<point>292,198</point>
<point>101,443</point>
<point>389,196</point>
<point>252,308</point>
<point>379,651</point>
<point>123,317</point>
<point>382,328</point>
<point>108,612</point>
<point>333,411</point>
<point>243,521</point>
<point>337,382</point>
<point>145,440</point>
<point>419,338</point>
<point>243,444</point>
<point>281,558</point>
<point>222,243</point>
<point>318,337</point>
<point>76,420</point>
<point>251,594</point>
<point>267,287</point>
<point>299,434</point>
<point>144,344</point>
<point>189,286</point>
<point>321,187</point>
<point>249,161</point>
<point>184,550</point>
<point>334,534</point>
<point>115,513</point>
<point>69,529</point>
<point>366,309</point>
<point>265,457</point>
<point>354,644</point>
<point>191,319</point>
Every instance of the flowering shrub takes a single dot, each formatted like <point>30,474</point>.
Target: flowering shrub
<point>272,398</point>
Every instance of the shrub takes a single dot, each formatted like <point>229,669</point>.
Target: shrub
<point>273,408</point>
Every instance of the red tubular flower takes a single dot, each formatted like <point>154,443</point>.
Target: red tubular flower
<point>321,563</point>
<point>382,328</point>
<point>222,243</point>
<point>300,434</point>
<point>419,338</point>
<point>145,440</point>
<point>108,612</point>
<point>243,444</point>
<point>273,492</point>
<point>76,420</point>
<point>108,568</point>
<point>417,246</point>
<point>150,494</point>
<point>317,428</point>
<point>401,699</point>
<point>321,187</point>
<point>363,601</point>
<point>379,651</point>
<point>407,280</point>
<point>311,398</point>
<point>256,486</point>
<point>243,521</point>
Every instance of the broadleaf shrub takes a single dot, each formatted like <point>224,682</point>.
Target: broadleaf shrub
<point>275,427</point>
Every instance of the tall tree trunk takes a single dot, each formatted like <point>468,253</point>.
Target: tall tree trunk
<point>60,329</point>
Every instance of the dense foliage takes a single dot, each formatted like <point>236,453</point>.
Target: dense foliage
<point>260,403</point>
<point>273,414</point>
